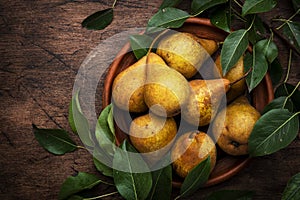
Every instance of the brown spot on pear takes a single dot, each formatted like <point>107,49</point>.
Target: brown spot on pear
<point>190,149</point>
<point>185,52</point>
<point>204,100</point>
<point>233,125</point>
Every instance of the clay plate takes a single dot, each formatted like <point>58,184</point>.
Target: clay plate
<point>226,166</point>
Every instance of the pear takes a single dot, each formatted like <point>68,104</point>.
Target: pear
<point>185,52</point>
<point>128,86</point>
<point>166,90</point>
<point>204,100</point>
<point>232,75</point>
<point>152,134</point>
<point>233,125</point>
<point>190,149</point>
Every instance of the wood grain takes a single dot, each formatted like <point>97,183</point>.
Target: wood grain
<point>42,46</point>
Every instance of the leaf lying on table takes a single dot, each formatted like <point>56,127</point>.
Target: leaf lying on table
<point>257,6</point>
<point>231,194</point>
<point>131,185</point>
<point>167,18</point>
<point>98,20</point>
<point>195,178</point>
<point>56,141</point>
<point>273,131</point>
<point>198,6</point>
<point>233,48</point>
<point>292,190</point>
<point>75,184</point>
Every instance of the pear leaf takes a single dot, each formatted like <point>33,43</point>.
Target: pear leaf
<point>98,20</point>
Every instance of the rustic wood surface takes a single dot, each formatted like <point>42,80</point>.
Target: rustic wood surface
<point>42,46</point>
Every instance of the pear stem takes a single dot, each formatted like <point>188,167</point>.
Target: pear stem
<point>244,76</point>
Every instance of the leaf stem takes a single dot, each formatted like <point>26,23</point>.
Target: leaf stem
<point>289,66</point>
<point>114,4</point>
<point>237,3</point>
<point>81,147</point>
<point>289,19</point>
<point>238,15</point>
<point>291,94</point>
<point>251,23</point>
<point>101,196</point>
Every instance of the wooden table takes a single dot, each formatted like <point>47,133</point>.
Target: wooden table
<point>42,46</point>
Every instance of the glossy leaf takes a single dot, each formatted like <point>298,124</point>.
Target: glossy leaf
<point>259,66</point>
<point>275,71</point>
<point>75,197</point>
<point>80,121</point>
<point>56,141</point>
<point>131,185</point>
<point>292,190</point>
<point>101,161</point>
<point>167,18</point>
<point>233,48</point>
<point>257,30</point>
<point>104,135</point>
<point>98,20</point>
<point>257,6</point>
<point>221,18</point>
<point>273,131</point>
<point>292,31</point>
<point>195,178</point>
<point>140,45</point>
<point>169,3</point>
<point>162,184</point>
<point>231,194</point>
<point>198,6</point>
<point>71,119</point>
<point>75,184</point>
<point>286,89</point>
<point>268,48</point>
<point>280,102</point>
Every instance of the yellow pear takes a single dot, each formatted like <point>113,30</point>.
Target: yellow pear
<point>232,75</point>
<point>204,100</point>
<point>166,90</point>
<point>185,52</point>
<point>190,149</point>
<point>152,134</point>
<point>232,131</point>
<point>128,86</point>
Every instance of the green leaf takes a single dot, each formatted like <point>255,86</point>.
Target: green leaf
<point>56,141</point>
<point>75,184</point>
<point>221,18</point>
<point>275,71</point>
<point>169,3</point>
<point>167,18</point>
<point>131,185</point>
<point>231,194</point>
<point>233,48</point>
<point>98,20</point>
<point>292,190</point>
<point>286,89</point>
<point>195,178</point>
<point>71,119</point>
<point>280,102</point>
<point>273,131</point>
<point>80,121</point>
<point>140,45</point>
<point>267,48</point>
<point>198,6</point>
<point>102,162</point>
<point>257,30</point>
<point>292,31</point>
<point>162,184</point>
<point>257,6</point>
<point>104,135</point>
<point>75,197</point>
<point>296,4</point>
<point>259,68</point>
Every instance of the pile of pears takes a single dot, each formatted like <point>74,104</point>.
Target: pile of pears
<point>165,87</point>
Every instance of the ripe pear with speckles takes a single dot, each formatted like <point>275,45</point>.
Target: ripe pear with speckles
<point>233,125</point>
<point>204,100</point>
